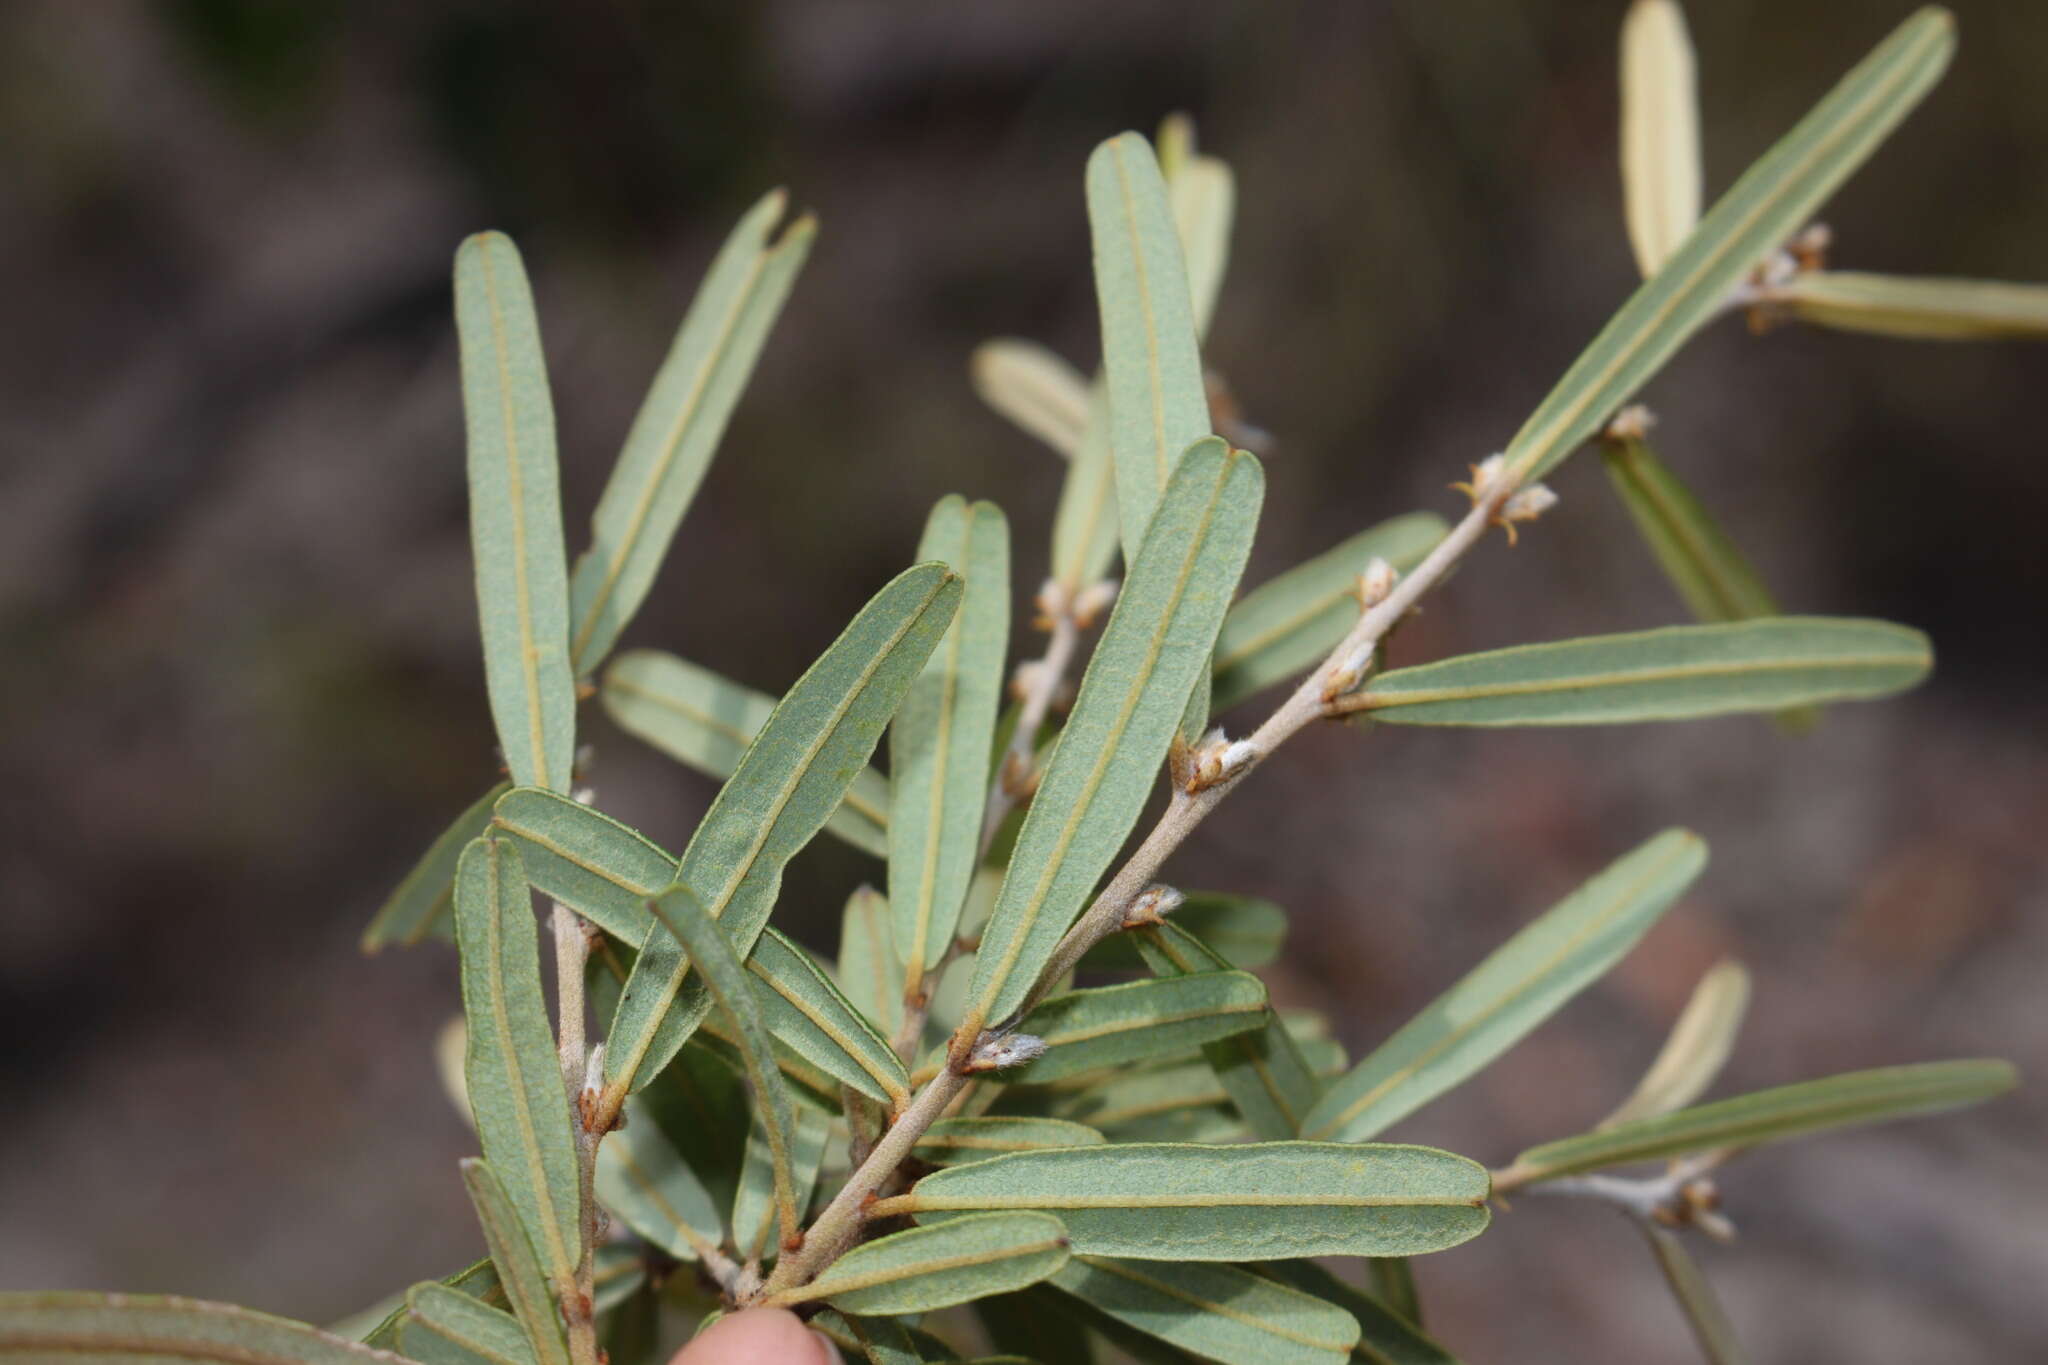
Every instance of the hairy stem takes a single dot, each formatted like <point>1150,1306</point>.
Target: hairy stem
<point>839,1225</point>
<point>572,955</point>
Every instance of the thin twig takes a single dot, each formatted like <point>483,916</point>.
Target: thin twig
<point>572,954</point>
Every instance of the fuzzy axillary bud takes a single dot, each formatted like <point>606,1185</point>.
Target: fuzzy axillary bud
<point>1152,906</point>
<point>999,1052</point>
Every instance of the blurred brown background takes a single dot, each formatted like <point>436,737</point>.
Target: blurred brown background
<point>242,685</point>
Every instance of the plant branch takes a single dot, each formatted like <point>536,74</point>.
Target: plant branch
<point>1042,681</point>
<point>839,1226</point>
<point>572,955</point>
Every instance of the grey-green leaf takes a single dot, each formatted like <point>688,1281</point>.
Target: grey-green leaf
<point>424,903</point>
<point>1518,986</point>
<point>1696,1050</point>
<point>1035,389</point>
<point>1260,1201</point>
<point>1845,1101</point>
<point>1264,1072</point>
<point>870,971</point>
<point>1660,131</point>
<point>789,782</point>
<point>1385,1337</point>
<point>1114,1026</point>
<point>1159,404</point>
<point>1287,624</point>
<point>951,1142</point>
<point>1770,202</point>
<point>754,1201</point>
<point>643,1179</point>
<point>1220,1312</point>
<point>129,1329</point>
<point>934,1267</point>
<point>1710,572</point>
<point>1243,931</point>
<point>1203,194</point>
<point>706,722</point>
<point>727,983</point>
<point>939,742</point>
<point>512,1072</point>
<point>805,1010</point>
<point>679,425</point>
<point>1084,526</point>
<point>1696,1298</point>
<point>443,1326</point>
<point>515,514</point>
<point>1130,703</point>
<point>1676,673</point>
<point>590,862</point>
<point>1927,309</point>
<point>520,1271</point>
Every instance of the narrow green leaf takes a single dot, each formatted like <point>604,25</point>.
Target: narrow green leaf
<point>881,1340</point>
<point>1287,624</point>
<point>1676,673</point>
<point>1166,1201</point>
<point>590,862</point>
<point>1158,402</point>
<point>1035,1325</point>
<point>1220,1312</point>
<point>952,1142</point>
<point>1203,194</point>
<point>870,971</point>
<point>935,1267</point>
<point>618,1273</point>
<point>808,1083</point>
<point>679,425</point>
<point>706,722</point>
<point>754,1201</point>
<point>1846,1101</point>
<point>1518,986</point>
<point>1035,389</point>
<point>128,1329</point>
<point>699,1104</point>
<point>1131,699</point>
<point>1085,525</point>
<point>939,742</point>
<point>726,982</point>
<point>1386,1337</point>
<point>1771,201</point>
<point>1264,1072</point>
<point>647,1182</point>
<point>519,1269</point>
<point>424,902</point>
<point>1660,131</point>
<point>1138,1021</point>
<point>1696,1298</point>
<point>1927,309</point>
<point>1393,1283</point>
<point>804,1009</point>
<point>791,778</point>
<point>443,1326</point>
<point>515,514</point>
<point>1696,1050</point>
<point>1714,577</point>
<point>1243,931</point>
<point>512,1073</point>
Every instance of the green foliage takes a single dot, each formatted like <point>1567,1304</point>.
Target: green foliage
<point>956,1107</point>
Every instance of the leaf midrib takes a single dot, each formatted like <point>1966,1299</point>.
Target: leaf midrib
<point>1379,700</point>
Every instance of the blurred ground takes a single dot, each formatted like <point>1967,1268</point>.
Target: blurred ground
<point>242,687</point>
